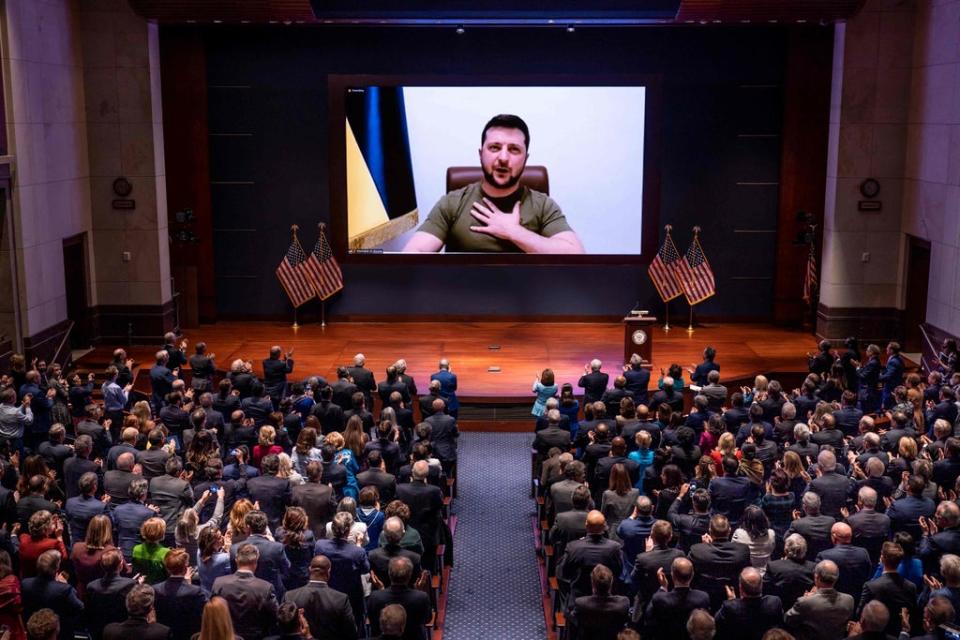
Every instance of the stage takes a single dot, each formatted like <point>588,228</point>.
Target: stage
<point>521,350</point>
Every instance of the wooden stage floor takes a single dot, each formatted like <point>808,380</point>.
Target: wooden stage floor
<point>526,348</point>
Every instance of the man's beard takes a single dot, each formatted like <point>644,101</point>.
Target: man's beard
<point>489,176</point>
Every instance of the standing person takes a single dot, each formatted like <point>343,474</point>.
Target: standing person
<point>868,375</point>
<point>570,407</point>
<point>11,602</point>
<point>202,369</point>
<point>252,602</point>
<point>448,387</point>
<point>179,603</point>
<point>115,399</point>
<point>638,379</point>
<point>275,373</point>
<point>327,611</point>
<point>545,387</point>
<point>14,419</point>
<point>593,381</point>
<point>363,378</point>
<point>892,375</point>
<point>825,611</point>
<point>161,380</point>
<point>698,375</point>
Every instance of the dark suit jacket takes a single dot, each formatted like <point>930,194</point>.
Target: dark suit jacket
<point>674,399</point>
<point>444,436</point>
<point>855,568</point>
<point>137,629</point>
<point>365,382</point>
<point>748,618</point>
<point>867,523</point>
<point>834,491</point>
<point>637,382</point>
<point>273,563</point>
<point>580,559</point>
<point>717,566</point>
<point>426,404</point>
<point>380,561</point>
<point>40,592</point>
<point>343,391</point>
<point>729,496</point>
<point>173,496</point>
<point>75,467</point>
<point>161,383</point>
<point>896,592</point>
<point>415,603</point>
<point>275,373</point>
<point>319,503</point>
<point>699,375</point>
<point>252,602</point>
<point>330,416</point>
<point>848,420</point>
<point>179,605</point>
<point>273,493</point>
<point>426,506</point>
<point>567,527</point>
<point>821,615</point>
<point>384,389</point>
<point>667,612</point>
<point>116,483</point>
<point>815,530</point>
<point>386,483</point>
<point>788,580</point>
<point>80,510</point>
<point>106,603</point>
<point>645,566</point>
<point>448,389</point>
<point>551,437</point>
<point>593,385</point>
<point>100,436</point>
<point>599,617</point>
<point>327,611</point>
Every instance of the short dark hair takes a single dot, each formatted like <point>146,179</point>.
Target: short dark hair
<point>507,121</point>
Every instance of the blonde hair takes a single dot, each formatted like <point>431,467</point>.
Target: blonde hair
<point>792,465</point>
<point>99,532</point>
<point>760,383</point>
<point>907,448</point>
<point>240,509</point>
<point>643,439</point>
<point>141,409</point>
<point>187,526</point>
<point>216,623</point>
<point>727,444</point>
<point>153,530</point>
<point>334,439</point>
<point>286,466</point>
<point>268,435</point>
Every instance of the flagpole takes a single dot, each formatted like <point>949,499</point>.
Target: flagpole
<point>666,303</point>
<point>293,233</point>
<point>690,326</point>
<point>323,314</point>
<point>696,236</point>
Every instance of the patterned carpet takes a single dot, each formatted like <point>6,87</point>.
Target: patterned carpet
<point>494,587</point>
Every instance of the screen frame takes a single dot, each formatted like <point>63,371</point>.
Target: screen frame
<point>337,169</point>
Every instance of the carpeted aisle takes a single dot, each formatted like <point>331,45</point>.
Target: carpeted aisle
<point>494,586</point>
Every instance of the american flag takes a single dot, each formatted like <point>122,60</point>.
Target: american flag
<point>697,278</point>
<point>663,270</point>
<point>810,277</point>
<point>292,275</point>
<point>323,269</point>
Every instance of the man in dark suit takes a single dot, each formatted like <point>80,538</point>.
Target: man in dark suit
<point>443,435</point>
<point>617,455</point>
<point>611,398</point>
<point>161,380</point>
<point>415,602</point>
<point>947,469</point>
<point>363,378</point>
<point>252,601</point>
<point>78,465</point>
<point>638,379</point>
<point>822,362</point>
<point>270,490</point>
<point>647,565</point>
<point>448,387</point>
<point>853,562</point>
<point>940,536</point>
<point>82,508</point>
<point>376,476</point>
<point>833,487</point>
<point>553,436</point>
<point>343,389</point>
<point>53,450</point>
<point>870,528</point>
<point>425,402</point>
<point>393,530</point>
<point>128,440</point>
<point>326,610</point>
<point>179,604</point>
<point>667,612</point>
<point>272,562</point>
<point>401,366</point>
<point>106,597</point>
<point>791,576</point>
<point>892,376</point>
<point>946,409</point>
<point>360,408</point>
<point>593,382</point>
<point>348,562</point>
<point>715,392</point>
<point>752,614</point>
<point>50,589</point>
<point>99,434</point>
<point>900,427</point>
<point>773,403</point>
<point>904,512</point>
<point>202,369</point>
<point>718,561</point>
<point>571,525</point>
<point>690,525</point>
<point>699,375</point>
<point>813,526</point>
<point>328,412</point>
<point>34,501</point>
<point>426,508</point>
<point>172,494</point>
<point>176,354</point>
<point>667,395</point>
<point>116,482</point>
<point>824,613</point>
<point>141,601</point>
<point>600,616</point>
<point>634,531</point>
<point>583,555</point>
<point>391,384</point>
<point>316,499</point>
<point>561,492</point>
<point>892,589</point>
<point>868,376</point>
<point>848,417</point>
<point>731,493</point>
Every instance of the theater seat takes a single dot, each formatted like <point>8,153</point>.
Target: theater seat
<point>534,177</point>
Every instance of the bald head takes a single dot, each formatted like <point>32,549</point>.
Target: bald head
<point>596,523</point>
<point>681,570</point>
<point>421,469</point>
<point>320,568</point>
<point>841,533</point>
<point>125,461</point>
<point>751,583</point>
<point>827,461</point>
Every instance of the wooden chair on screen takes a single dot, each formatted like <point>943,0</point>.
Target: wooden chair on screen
<point>534,176</point>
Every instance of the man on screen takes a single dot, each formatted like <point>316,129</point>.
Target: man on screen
<point>497,214</point>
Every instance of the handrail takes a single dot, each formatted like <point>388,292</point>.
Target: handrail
<point>63,341</point>
<point>933,349</point>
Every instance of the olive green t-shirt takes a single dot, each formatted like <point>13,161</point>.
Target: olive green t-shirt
<point>450,220</point>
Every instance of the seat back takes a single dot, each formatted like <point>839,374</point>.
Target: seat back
<point>534,177</point>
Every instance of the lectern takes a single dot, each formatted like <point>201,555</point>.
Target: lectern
<point>638,337</point>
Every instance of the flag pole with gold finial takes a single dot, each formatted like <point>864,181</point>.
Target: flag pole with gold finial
<point>293,232</point>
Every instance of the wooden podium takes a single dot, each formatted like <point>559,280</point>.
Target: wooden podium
<point>638,337</point>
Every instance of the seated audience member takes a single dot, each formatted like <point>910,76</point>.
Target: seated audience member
<point>600,615</point>
<point>824,612</point>
<point>327,611</point>
<point>415,602</point>
<point>140,623</point>
<point>179,604</point>
<point>49,589</point>
<point>669,608</point>
<point>752,614</point>
<point>106,597</point>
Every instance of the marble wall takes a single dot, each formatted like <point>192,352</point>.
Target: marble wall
<point>42,66</point>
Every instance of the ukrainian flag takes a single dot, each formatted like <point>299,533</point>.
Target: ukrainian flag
<point>381,201</point>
